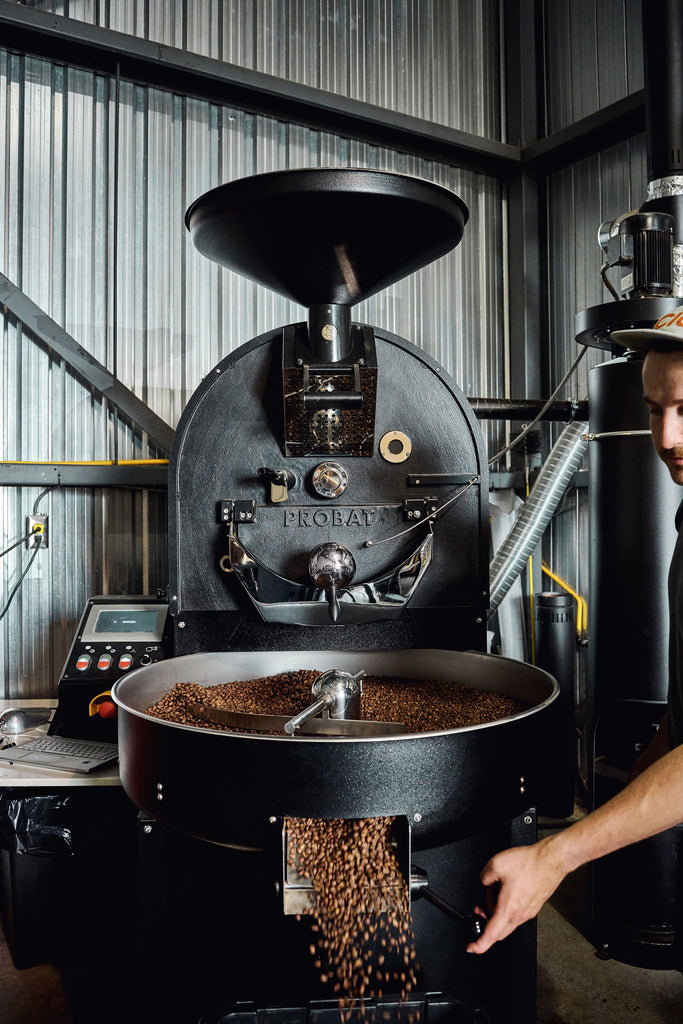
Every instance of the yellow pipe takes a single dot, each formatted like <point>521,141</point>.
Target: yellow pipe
<point>581,610</point>
<point>101,462</point>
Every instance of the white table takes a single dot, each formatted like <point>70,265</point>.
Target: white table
<point>29,776</point>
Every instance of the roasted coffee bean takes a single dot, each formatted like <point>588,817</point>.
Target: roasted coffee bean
<point>422,705</point>
<point>362,905</point>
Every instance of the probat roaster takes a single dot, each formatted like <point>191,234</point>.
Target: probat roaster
<point>328,510</point>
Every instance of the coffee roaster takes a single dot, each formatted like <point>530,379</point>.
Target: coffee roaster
<point>328,511</point>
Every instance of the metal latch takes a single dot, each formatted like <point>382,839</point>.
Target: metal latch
<point>281,481</point>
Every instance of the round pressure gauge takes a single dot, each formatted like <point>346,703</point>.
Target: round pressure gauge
<point>329,479</point>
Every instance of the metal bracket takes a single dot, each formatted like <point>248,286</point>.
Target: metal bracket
<point>617,433</point>
<point>237,511</point>
<point>415,509</point>
<point>54,337</point>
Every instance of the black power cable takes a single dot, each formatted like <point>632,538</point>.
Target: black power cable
<point>20,580</point>
<point>40,497</point>
<point>22,540</point>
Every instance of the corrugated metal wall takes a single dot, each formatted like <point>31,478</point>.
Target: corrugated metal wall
<point>91,229</point>
<point>93,196</point>
<point>593,57</point>
<point>434,59</point>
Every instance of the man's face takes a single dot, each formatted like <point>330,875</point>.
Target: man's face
<point>663,393</point>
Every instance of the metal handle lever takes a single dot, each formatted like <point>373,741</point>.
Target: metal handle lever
<point>419,886</point>
<point>333,601</point>
<point>281,482</point>
<point>338,692</point>
<point>310,712</point>
<point>277,476</point>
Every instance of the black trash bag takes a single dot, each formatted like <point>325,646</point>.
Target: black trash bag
<point>37,824</point>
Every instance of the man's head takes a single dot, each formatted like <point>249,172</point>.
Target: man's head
<point>662,384</point>
<point>663,393</point>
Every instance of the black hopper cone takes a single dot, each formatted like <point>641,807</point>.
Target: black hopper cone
<point>326,236</point>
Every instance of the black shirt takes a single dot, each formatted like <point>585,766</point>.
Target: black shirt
<point>675,701</point>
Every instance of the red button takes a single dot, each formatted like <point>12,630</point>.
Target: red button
<point>104,662</point>
<point>107,709</point>
<point>83,663</point>
<point>125,661</point>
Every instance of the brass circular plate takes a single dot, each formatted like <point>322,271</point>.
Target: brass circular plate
<point>395,446</point>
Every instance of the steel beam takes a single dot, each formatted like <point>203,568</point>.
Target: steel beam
<point>68,41</point>
<point>525,265</point>
<point>613,124</point>
<point>47,332</point>
<point>56,474</point>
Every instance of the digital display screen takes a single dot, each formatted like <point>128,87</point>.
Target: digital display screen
<point>132,621</point>
<point>126,621</point>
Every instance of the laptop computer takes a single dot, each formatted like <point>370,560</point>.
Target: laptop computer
<point>62,754</point>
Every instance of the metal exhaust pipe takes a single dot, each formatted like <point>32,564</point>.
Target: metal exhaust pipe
<point>551,483</point>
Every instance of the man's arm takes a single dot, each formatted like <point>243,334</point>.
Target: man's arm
<point>529,875</point>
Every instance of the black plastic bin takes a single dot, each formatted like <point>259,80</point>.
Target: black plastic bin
<point>68,873</point>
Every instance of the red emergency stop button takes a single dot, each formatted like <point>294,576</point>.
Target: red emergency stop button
<point>125,661</point>
<point>102,705</point>
<point>104,662</point>
<point>107,709</point>
<point>83,663</point>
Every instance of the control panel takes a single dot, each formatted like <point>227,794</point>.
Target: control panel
<point>116,634</point>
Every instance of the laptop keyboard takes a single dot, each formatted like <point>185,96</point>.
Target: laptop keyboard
<point>61,753</point>
<point>85,749</point>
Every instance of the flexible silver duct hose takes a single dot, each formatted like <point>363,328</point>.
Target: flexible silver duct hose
<point>551,483</point>
<point>671,185</point>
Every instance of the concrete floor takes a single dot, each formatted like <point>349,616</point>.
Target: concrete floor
<point>574,985</point>
<point>32,996</point>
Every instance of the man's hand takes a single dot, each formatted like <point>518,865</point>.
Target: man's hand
<point>527,876</point>
<point>524,878</point>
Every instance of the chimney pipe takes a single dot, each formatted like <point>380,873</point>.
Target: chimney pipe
<point>663,61</point>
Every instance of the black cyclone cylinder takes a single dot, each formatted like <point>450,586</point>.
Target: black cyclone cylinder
<point>633,503</point>
<point>632,535</point>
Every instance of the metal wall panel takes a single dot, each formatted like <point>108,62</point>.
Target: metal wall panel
<point>434,59</point>
<point>593,57</point>
<point>91,228</point>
